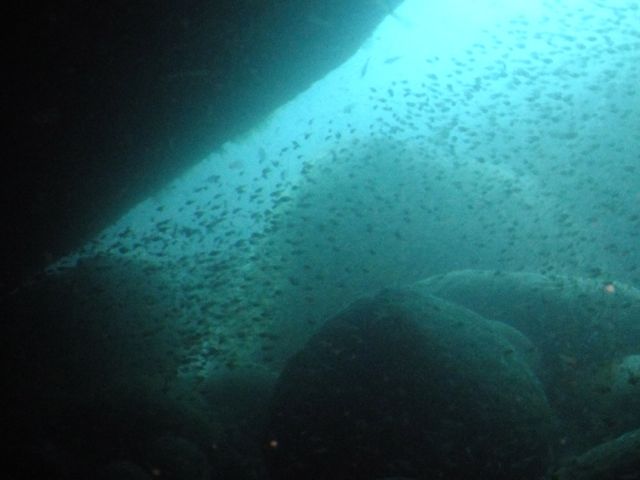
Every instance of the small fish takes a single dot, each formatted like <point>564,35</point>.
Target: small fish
<point>363,70</point>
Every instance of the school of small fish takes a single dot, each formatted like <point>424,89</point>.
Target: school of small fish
<point>520,153</point>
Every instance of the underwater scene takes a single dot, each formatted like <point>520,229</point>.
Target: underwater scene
<point>424,266</point>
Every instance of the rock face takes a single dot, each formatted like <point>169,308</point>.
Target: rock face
<point>617,458</point>
<point>177,458</point>
<point>99,322</point>
<point>586,331</point>
<point>406,384</point>
<point>91,356</point>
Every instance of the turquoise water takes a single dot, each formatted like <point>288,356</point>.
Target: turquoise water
<point>501,140</point>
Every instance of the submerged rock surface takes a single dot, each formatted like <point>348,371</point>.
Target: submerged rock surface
<point>408,384</point>
<point>587,332</point>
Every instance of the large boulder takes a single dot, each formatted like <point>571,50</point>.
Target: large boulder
<point>587,332</point>
<point>85,327</point>
<point>178,459</point>
<point>616,459</point>
<point>93,352</point>
<point>405,384</point>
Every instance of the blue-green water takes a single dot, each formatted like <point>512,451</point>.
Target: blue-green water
<point>493,150</point>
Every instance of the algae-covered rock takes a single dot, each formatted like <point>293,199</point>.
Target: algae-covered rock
<point>177,458</point>
<point>91,361</point>
<point>616,459</point>
<point>123,470</point>
<point>408,384</point>
<point>81,328</point>
<point>587,332</point>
